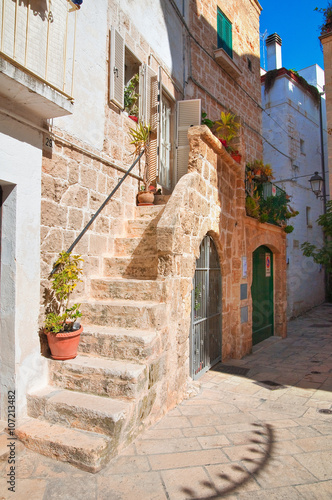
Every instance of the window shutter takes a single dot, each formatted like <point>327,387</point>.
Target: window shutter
<point>228,37</point>
<point>224,33</point>
<point>117,62</point>
<point>149,114</point>
<point>188,115</point>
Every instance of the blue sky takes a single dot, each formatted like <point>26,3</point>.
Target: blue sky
<point>298,26</point>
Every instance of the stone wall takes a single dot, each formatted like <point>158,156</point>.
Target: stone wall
<point>214,84</point>
<point>210,199</point>
<point>74,185</point>
<point>327,49</point>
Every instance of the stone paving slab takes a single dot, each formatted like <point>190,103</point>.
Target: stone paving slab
<point>237,438</point>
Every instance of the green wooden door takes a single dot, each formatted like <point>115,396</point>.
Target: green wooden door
<point>262,295</point>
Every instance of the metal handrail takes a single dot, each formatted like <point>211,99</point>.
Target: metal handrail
<point>93,218</point>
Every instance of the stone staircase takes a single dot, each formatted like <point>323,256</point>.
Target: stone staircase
<point>99,401</point>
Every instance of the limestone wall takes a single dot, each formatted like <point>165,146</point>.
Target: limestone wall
<point>210,199</point>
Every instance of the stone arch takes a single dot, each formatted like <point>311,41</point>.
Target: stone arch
<point>274,238</point>
<point>206,310</point>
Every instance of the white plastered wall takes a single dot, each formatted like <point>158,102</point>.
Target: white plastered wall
<point>22,366</point>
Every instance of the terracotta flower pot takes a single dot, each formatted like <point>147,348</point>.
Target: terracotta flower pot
<point>237,157</point>
<point>145,198</point>
<point>64,345</point>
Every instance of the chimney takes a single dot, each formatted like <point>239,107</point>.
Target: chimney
<point>273,50</point>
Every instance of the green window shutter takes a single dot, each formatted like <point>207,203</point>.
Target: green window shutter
<point>224,31</point>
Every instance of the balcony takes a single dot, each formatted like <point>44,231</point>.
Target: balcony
<point>37,54</point>
<point>268,203</point>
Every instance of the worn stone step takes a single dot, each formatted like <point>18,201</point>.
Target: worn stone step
<point>87,450</point>
<point>127,289</point>
<point>100,376</point>
<point>139,267</point>
<point>83,411</point>
<point>142,228</point>
<point>148,212</point>
<point>135,246</point>
<point>120,343</point>
<point>123,313</point>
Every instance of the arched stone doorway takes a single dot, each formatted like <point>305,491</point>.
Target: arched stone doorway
<point>262,292</point>
<point>206,310</point>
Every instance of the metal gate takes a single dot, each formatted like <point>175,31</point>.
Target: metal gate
<point>206,310</point>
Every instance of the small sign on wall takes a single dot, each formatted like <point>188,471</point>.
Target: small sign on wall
<point>48,142</point>
<point>267,265</point>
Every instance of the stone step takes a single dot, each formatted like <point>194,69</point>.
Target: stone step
<point>120,343</point>
<point>87,450</point>
<point>137,246</point>
<point>141,228</point>
<point>144,315</point>
<point>127,289</point>
<point>139,267</point>
<point>148,212</point>
<point>82,411</point>
<point>100,376</point>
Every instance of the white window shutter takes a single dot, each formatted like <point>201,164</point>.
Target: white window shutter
<point>188,115</point>
<point>117,68</point>
<point>149,114</point>
<point>142,71</point>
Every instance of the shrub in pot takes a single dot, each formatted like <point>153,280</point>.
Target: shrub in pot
<point>141,140</point>
<point>61,318</point>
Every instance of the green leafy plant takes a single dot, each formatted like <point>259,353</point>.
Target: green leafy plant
<point>323,255</point>
<point>61,317</point>
<point>252,206</point>
<point>227,127</point>
<point>326,27</point>
<point>140,138</point>
<point>206,121</point>
<point>131,96</point>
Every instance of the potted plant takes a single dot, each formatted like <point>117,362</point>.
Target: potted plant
<point>61,319</point>
<point>141,140</point>
<point>227,130</point>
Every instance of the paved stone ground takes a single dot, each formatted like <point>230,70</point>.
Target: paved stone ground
<point>237,439</point>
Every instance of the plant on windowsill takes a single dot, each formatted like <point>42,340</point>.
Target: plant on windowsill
<point>61,320</point>
<point>141,140</point>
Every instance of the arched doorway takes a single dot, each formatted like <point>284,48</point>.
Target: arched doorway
<point>262,295</point>
<point>206,310</point>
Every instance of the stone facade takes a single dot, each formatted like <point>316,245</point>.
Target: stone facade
<point>327,49</point>
<point>292,126</point>
<point>139,262</point>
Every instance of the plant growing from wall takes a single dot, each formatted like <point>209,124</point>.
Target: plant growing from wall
<point>326,27</point>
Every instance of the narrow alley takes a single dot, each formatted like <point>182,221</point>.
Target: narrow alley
<point>261,431</point>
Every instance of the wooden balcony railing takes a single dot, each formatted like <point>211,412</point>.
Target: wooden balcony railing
<point>38,37</point>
